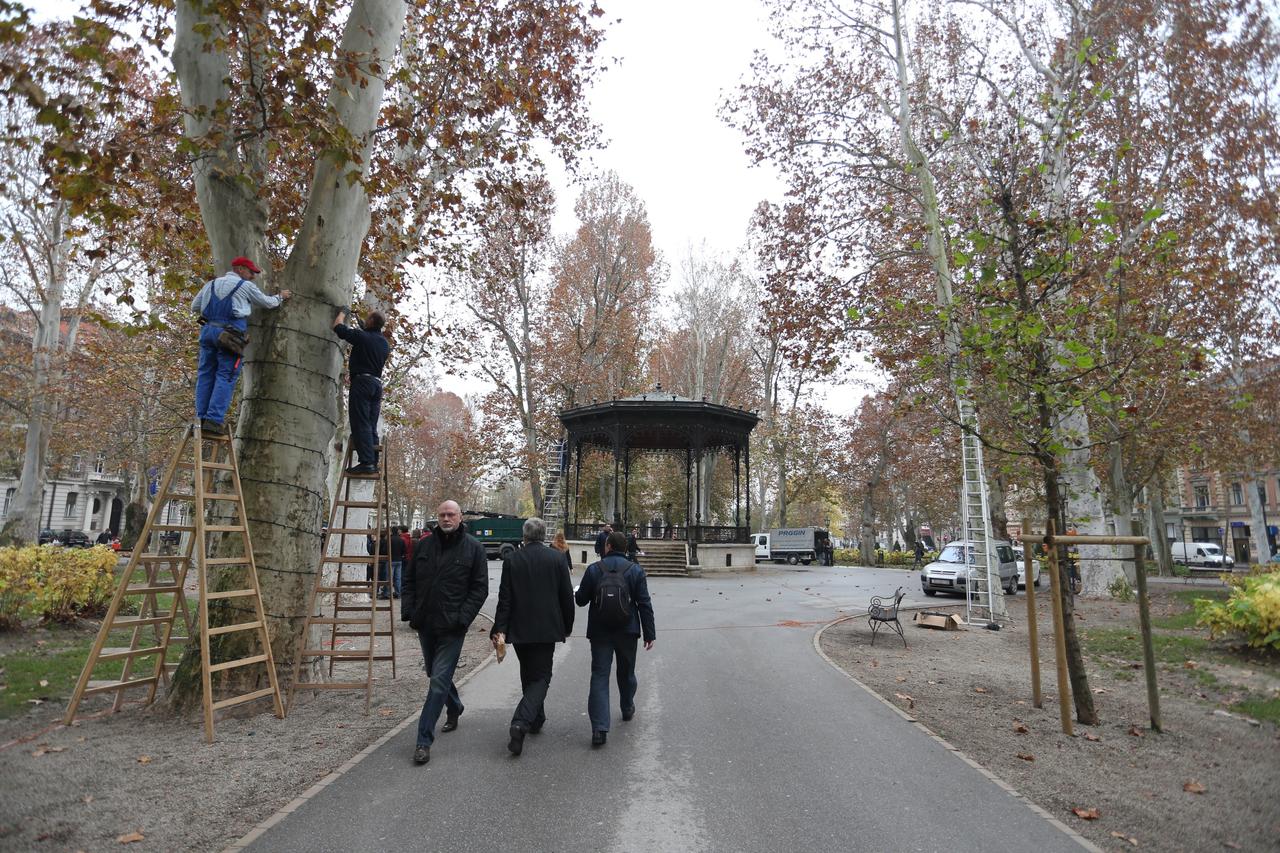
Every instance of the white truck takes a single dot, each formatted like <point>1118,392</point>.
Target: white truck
<point>790,544</point>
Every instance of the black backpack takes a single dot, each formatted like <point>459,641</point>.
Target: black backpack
<point>612,603</point>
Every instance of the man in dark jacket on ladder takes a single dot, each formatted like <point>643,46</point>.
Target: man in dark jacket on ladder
<point>369,351</point>
<point>535,611</point>
<point>610,640</point>
<point>224,303</point>
<point>445,586</point>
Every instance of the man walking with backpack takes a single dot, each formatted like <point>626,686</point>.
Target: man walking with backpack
<point>620,613</point>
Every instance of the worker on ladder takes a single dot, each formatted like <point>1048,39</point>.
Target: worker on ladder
<point>369,351</point>
<point>224,305</point>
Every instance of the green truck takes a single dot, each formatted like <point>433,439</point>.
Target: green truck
<point>498,532</point>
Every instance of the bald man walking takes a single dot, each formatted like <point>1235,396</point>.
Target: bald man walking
<point>444,587</point>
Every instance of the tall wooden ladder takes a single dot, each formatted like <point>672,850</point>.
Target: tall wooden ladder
<point>359,511</point>
<point>984,593</point>
<point>150,595</point>
<point>555,503</point>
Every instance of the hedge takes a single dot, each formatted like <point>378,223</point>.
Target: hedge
<point>58,584</point>
<point>1252,610</point>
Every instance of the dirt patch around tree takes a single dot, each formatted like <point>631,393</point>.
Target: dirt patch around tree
<point>1207,782</point>
<point>92,785</point>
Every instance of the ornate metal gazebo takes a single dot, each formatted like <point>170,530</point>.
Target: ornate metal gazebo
<point>662,422</point>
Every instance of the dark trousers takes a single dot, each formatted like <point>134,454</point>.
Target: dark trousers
<point>440,652</point>
<point>535,678</point>
<point>364,405</point>
<point>603,652</point>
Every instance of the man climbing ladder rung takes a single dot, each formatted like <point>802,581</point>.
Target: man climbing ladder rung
<point>137,604</point>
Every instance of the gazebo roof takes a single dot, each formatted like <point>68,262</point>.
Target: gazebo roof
<point>658,420</point>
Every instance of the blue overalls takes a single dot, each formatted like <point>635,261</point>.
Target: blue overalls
<point>219,368</point>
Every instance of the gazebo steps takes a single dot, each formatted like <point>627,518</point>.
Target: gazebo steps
<point>664,558</point>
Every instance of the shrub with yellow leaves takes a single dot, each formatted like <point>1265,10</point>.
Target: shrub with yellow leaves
<point>1252,610</point>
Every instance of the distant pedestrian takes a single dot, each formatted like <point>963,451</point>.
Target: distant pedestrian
<point>534,612</point>
<point>398,551</point>
<point>605,530</point>
<point>224,305</point>
<point>369,352</point>
<point>633,544</point>
<point>620,613</point>
<point>919,549</point>
<point>560,544</point>
<point>447,582</point>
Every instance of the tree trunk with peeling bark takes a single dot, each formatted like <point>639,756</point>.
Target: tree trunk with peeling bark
<point>290,391</point>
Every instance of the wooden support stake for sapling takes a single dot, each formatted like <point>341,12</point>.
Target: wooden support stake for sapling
<point>1148,649</point>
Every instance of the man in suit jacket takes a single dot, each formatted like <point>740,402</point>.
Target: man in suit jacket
<point>535,611</point>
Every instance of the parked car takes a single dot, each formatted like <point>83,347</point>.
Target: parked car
<point>1207,554</point>
<point>70,538</point>
<point>1020,555</point>
<point>955,566</point>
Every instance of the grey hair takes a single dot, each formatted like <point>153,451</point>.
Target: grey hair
<point>535,530</point>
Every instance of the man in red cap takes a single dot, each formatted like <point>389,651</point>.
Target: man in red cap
<point>224,303</point>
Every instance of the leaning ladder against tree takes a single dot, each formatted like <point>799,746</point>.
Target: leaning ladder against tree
<point>200,502</point>
<point>554,502</point>
<point>984,592</point>
<point>352,619</point>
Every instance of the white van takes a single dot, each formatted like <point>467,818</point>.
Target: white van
<point>1207,554</point>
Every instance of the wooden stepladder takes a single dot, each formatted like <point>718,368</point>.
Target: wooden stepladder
<point>187,499</point>
<point>358,512</point>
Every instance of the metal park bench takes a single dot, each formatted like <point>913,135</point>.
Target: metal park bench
<point>879,614</point>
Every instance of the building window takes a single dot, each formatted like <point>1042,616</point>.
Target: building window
<point>8,501</point>
<point>70,511</point>
<point>77,465</point>
<point>1262,493</point>
<point>1201,495</point>
<point>100,464</point>
<point>1237,494</point>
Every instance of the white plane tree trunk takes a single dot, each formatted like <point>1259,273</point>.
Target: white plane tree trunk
<point>290,390</point>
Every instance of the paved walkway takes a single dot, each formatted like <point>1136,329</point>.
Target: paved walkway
<point>745,739</point>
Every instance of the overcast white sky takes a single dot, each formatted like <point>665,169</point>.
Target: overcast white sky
<point>658,107</point>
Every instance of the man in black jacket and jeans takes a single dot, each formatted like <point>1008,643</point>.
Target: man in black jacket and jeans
<point>369,351</point>
<point>444,588</point>
<point>535,611</point>
<point>609,643</point>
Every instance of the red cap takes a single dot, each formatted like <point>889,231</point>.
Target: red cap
<point>242,261</point>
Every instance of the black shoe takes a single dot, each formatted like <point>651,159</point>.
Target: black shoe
<point>450,722</point>
<point>362,470</point>
<point>516,744</point>
<point>628,713</point>
<point>212,427</point>
<point>598,738</point>
<point>536,728</point>
<point>422,755</point>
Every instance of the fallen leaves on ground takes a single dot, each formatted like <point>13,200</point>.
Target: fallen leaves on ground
<point>130,838</point>
<point>386,712</point>
<point>44,749</point>
<point>911,703</point>
<point>1193,787</point>
<point>1085,814</point>
<point>44,682</point>
<point>1026,756</point>
<point>979,690</point>
<point>144,759</point>
<point>1091,736</point>
<point>1135,731</point>
<point>1123,837</point>
<point>1021,729</point>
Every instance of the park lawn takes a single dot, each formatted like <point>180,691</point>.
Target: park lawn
<point>1185,651</point>
<point>55,656</point>
<point>56,662</point>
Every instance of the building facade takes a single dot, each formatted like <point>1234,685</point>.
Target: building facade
<point>88,496</point>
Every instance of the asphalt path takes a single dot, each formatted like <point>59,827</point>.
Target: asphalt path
<point>744,739</point>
